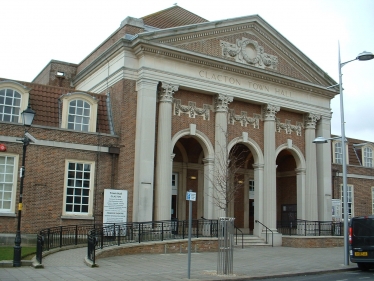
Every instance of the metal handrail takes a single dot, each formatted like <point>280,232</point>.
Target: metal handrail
<point>138,232</point>
<point>236,236</point>
<point>310,228</point>
<point>272,234</point>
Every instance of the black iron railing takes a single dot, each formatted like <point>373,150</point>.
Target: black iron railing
<point>138,232</point>
<point>236,236</point>
<point>311,228</point>
<point>61,236</point>
<point>266,233</point>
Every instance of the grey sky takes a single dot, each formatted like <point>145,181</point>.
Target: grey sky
<point>35,31</point>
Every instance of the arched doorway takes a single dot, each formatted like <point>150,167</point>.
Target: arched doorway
<point>248,203</point>
<point>188,174</point>
<point>286,189</point>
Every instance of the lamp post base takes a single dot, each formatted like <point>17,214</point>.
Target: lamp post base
<point>17,250</point>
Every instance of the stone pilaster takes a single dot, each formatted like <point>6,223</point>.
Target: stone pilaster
<point>163,163</point>
<point>144,150</point>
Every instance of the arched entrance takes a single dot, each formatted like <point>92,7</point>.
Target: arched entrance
<point>286,189</point>
<point>248,203</point>
<point>290,185</point>
<point>191,170</point>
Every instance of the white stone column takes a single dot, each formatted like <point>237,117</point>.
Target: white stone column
<point>311,203</point>
<point>259,198</point>
<point>324,188</point>
<point>144,150</point>
<point>182,189</point>
<point>270,188</point>
<point>200,193</point>
<point>208,188</point>
<point>220,157</point>
<point>246,201</point>
<point>164,151</point>
<point>300,181</point>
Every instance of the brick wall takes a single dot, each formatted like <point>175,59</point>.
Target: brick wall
<point>164,247</point>
<point>312,242</point>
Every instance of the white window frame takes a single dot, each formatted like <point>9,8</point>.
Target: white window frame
<point>367,156</point>
<point>22,90</point>
<point>251,189</point>
<point>73,214</point>
<point>350,200</point>
<point>334,143</point>
<point>174,184</point>
<point>11,210</point>
<point>66,99</point>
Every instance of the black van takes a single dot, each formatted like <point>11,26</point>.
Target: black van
<point>361,241</point>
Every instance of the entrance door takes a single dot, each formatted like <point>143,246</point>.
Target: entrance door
<point>174,195</point>
<point>289,214</point>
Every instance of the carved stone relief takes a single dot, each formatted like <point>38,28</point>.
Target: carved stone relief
<point>288,127</point>
<point>244,119</point>
<point>191,109</point>
<point>268,111</point>
<point>166,92</point>
<point>222,102</point>
<point>310,120</point>
<point>248,51</point>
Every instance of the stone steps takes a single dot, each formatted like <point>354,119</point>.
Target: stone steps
<point>250,241</point>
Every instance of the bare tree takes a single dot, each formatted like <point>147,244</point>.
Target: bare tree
<point>227,179</point>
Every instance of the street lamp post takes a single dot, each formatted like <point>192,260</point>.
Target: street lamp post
<point>364,56</point>
<point>28,117</point>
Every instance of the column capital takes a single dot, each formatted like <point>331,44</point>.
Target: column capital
<point>310,120</point>
<point>222,102</point>
<point>166,92</point>
<point>269,111</point>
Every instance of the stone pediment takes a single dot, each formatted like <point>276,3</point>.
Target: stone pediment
<point>248,42</point>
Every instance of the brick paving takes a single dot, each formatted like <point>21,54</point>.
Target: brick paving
<point>249,263</point>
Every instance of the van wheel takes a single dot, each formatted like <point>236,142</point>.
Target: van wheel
<point>362,266</point>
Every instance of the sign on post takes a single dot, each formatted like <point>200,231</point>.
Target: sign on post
<point>191,196</point>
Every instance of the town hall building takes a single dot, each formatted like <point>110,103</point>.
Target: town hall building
<point>163,106</point>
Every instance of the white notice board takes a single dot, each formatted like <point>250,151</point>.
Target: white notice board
<point>115,206</point>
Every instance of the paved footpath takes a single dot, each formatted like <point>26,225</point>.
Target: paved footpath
<point>249,264</point>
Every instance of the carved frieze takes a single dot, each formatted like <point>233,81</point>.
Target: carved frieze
<point>191,109</point>
<point>288,127</point>
<point>248,51</point>
<point>244,119</point>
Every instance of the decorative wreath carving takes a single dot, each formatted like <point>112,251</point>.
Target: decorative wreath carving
<point>191,109</point>
<point>288,127</point>
<point>241,54</point>
<point>244,119</point>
